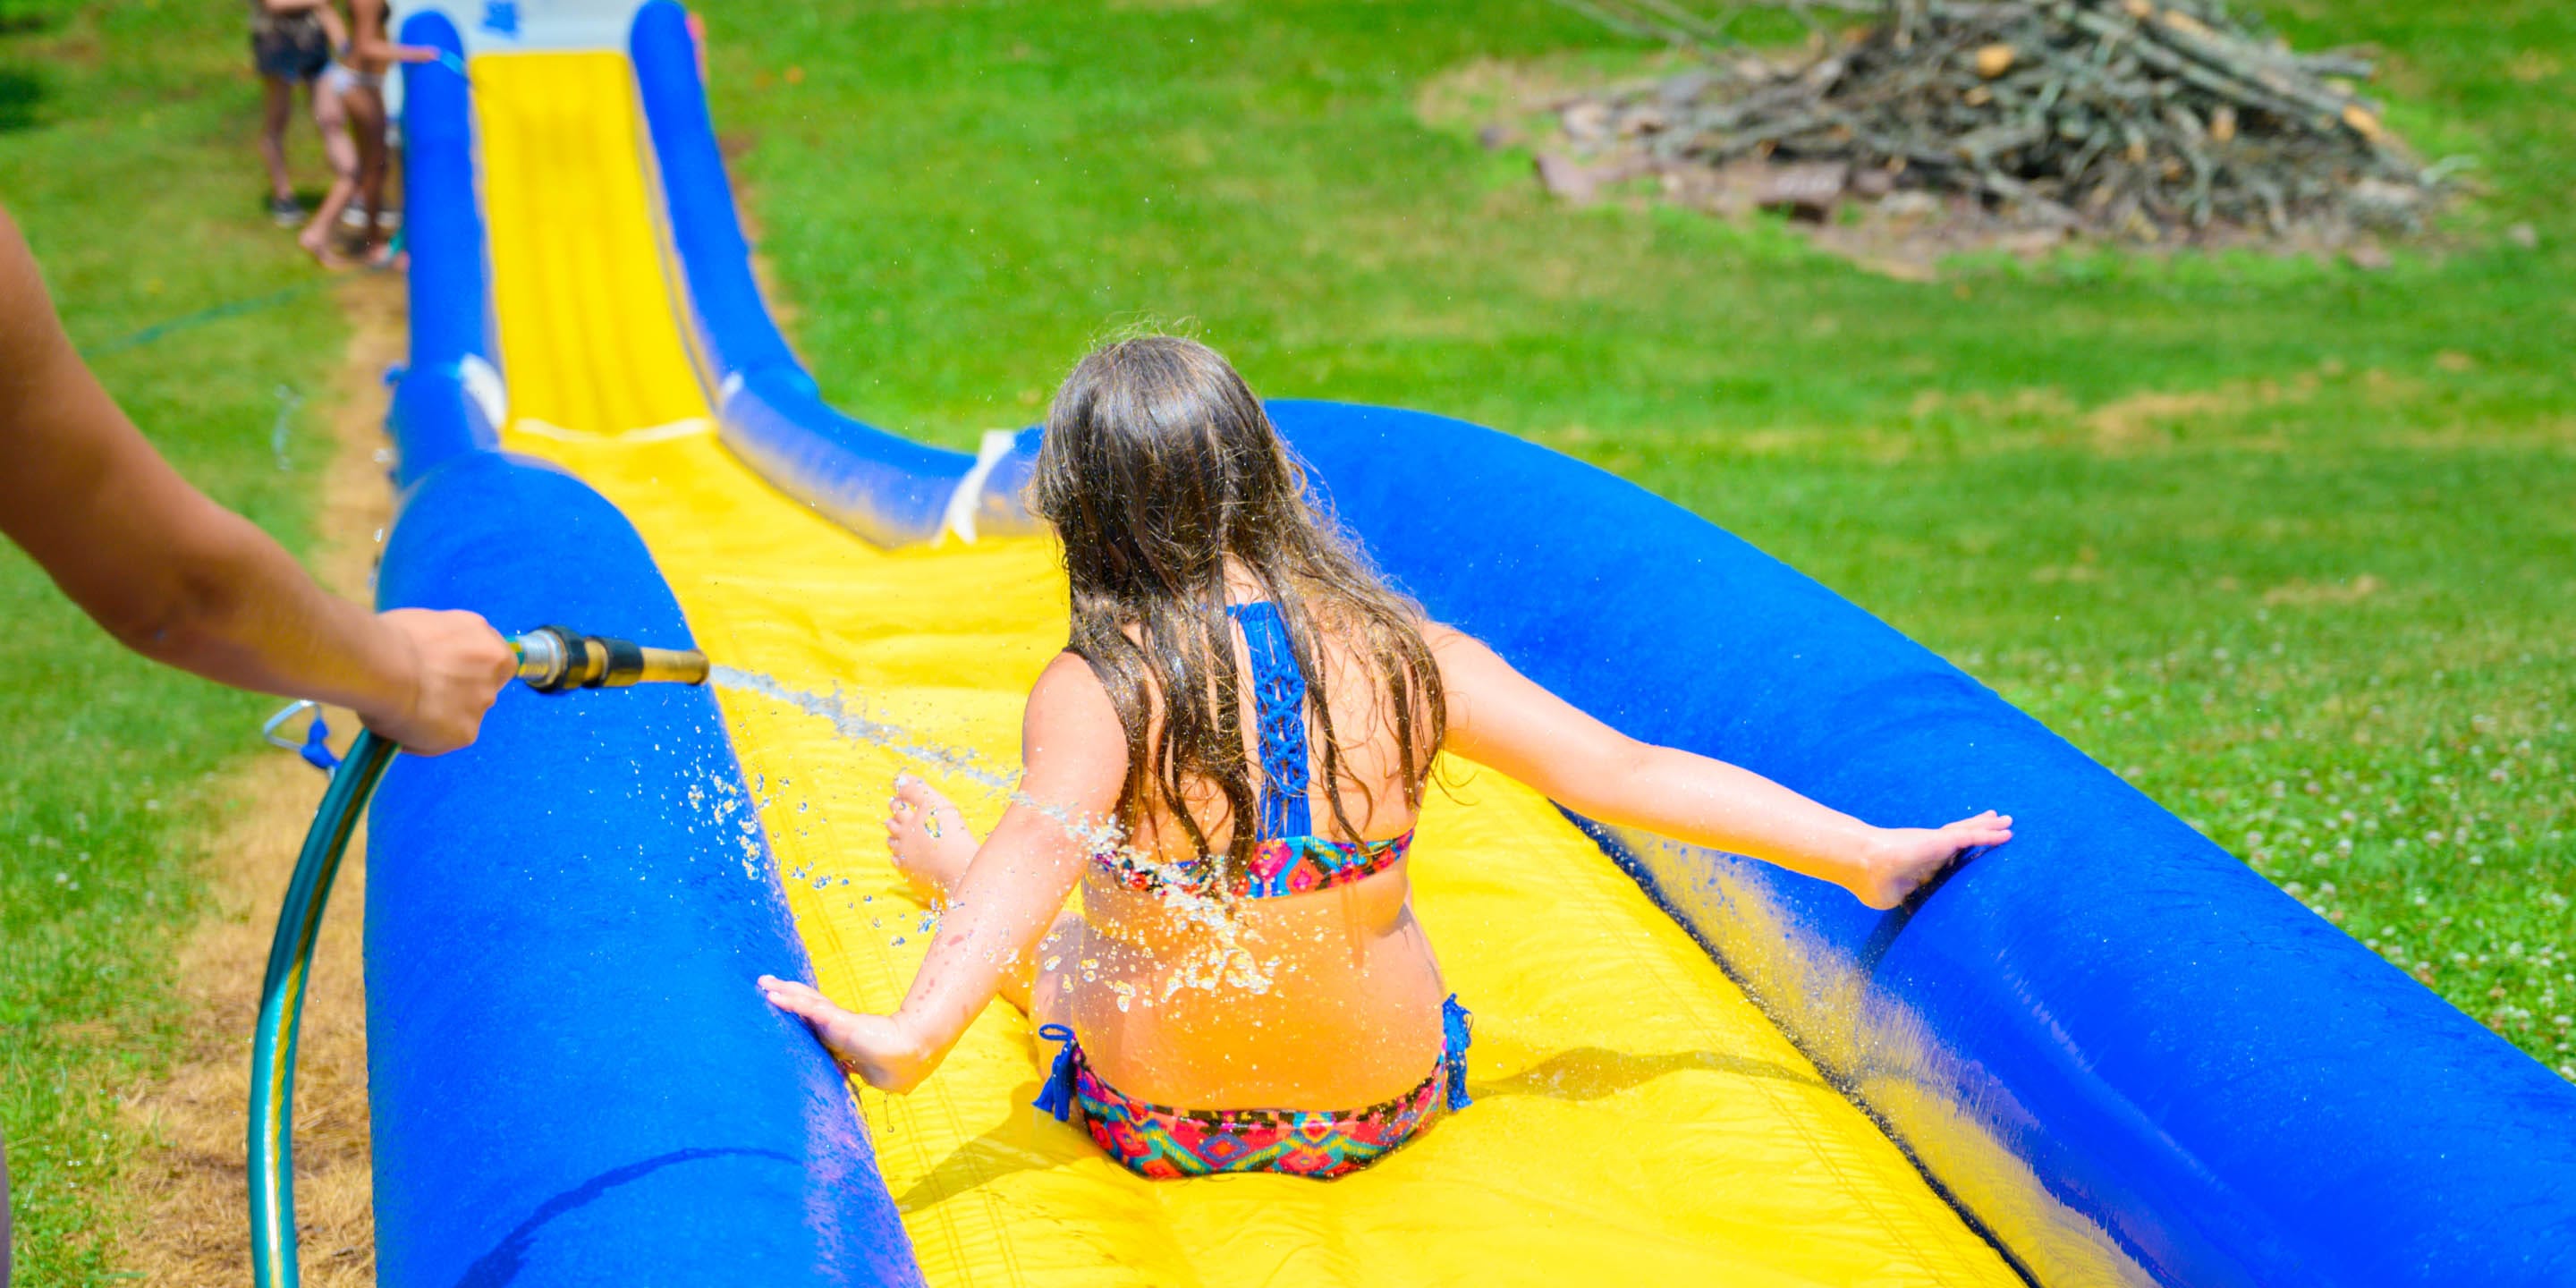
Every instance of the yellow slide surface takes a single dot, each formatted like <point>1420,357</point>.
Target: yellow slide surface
<point>1636,1119</point>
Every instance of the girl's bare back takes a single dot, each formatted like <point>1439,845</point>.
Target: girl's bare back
<point>1185,1002</point>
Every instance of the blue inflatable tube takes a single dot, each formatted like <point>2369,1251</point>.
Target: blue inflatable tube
<point>571,1076</point>
<point>2124,1055</point>
<point>2109,1027</point>
<point>2111,1044</point>
<point>449,284</point>
<point>572,1079</point>
<point>888,489</point>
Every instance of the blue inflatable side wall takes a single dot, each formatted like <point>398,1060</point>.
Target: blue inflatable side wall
<point>2109,1025</point>
<point>572,1078</point>
<point>2123,1053</point>
<point>448,286</point>
<point>888,489</point>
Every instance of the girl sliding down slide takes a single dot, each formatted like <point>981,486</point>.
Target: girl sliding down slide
<point>1229,758</point>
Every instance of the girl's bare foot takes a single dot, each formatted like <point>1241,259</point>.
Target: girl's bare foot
<point>316,241</point>
<point>928,839</point>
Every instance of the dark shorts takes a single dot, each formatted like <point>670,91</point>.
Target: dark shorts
<point>290,51</point>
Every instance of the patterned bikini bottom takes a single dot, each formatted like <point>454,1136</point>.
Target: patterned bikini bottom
<point>1159,1142</point>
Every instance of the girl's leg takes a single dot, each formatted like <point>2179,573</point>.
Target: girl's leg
<point>277,102</point>
<point>932,846</point>
<point>366,107</point>
<point>331,117</point>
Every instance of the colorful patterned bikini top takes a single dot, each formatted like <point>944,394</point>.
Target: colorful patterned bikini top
<point>1288,858</point>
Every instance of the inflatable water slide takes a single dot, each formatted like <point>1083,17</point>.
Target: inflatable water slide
<point>2104,1054</point>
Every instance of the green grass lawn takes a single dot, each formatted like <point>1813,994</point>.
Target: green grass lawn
<point>2288,545</point>
<point>125,154</point>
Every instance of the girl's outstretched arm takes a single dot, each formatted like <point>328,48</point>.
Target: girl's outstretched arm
<point>367,39</point>
<point>1075,757</point>
<point>1501,718</point>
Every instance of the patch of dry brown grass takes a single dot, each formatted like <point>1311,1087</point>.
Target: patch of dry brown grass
<point>2301,591</point>
<point>2140,419</point>
<point>190,1184</point>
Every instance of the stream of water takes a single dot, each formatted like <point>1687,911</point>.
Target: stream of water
<point>1223,959</point>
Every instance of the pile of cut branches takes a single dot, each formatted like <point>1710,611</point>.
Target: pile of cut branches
<point>2143,120</point>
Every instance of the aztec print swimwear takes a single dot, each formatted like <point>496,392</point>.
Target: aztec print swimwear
<point>1160,1142</point>
<point>1281,866</point>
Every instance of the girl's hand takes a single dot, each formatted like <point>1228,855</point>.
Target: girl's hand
<point>1906,857</point>
<point>878,1048</point>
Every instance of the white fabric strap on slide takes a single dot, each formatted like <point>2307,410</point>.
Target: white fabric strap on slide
<point>482,383</point>
<point>960,518</point>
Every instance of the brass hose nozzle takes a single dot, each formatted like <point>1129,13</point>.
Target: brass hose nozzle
<point>553,659</point>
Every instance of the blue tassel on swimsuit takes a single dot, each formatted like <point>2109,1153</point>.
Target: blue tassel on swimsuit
<point>1056,1097</point>
<point>1456,1037</point>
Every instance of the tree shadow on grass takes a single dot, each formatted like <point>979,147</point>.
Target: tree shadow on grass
<point>22,97</point>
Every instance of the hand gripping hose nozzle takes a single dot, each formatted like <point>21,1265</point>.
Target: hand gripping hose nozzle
<point>553,659</point>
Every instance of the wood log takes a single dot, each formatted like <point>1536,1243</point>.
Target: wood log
<point>2136,117</point>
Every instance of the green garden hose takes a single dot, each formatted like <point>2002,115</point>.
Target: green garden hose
<point>281,1010</point>
<point>551,660</point>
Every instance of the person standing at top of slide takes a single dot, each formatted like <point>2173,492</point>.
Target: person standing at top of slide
<point>188,583</point>
<point>356,82</point>
<point>290,45</point>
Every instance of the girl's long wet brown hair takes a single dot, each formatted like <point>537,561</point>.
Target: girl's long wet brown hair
<point>1158,465</point>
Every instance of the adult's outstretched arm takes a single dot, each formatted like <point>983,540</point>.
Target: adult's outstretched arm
<point>186,582</point>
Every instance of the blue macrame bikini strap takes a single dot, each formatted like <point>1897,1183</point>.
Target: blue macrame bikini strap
<point>1279,700</point>
<point>1056,1095</point>
<point>1457,1033</point>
